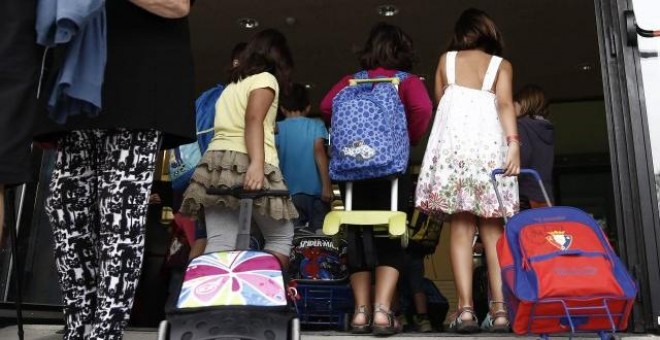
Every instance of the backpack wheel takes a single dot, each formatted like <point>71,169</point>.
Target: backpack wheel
<point>164,330</point>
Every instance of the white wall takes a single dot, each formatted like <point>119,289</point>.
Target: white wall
<point>647,13</point>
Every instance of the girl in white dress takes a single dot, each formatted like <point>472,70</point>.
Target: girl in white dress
<point>473,133</point>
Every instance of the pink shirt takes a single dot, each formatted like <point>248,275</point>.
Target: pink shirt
<point>413,94</point>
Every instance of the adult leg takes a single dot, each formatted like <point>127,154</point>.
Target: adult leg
<point>490,230</point>
<point>72,211</point>
<point>127,169</point>
<point>463,227</point>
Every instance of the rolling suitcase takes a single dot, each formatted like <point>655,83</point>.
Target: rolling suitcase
<point>560,274</point>
<point>239,294</point>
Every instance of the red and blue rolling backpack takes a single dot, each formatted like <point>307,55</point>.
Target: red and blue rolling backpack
<point>561,275</point>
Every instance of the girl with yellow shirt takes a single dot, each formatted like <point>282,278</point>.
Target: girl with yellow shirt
<point>242,151</point>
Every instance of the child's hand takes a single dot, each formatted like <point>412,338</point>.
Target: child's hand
<point>254,177</point>
<point>512,166</point>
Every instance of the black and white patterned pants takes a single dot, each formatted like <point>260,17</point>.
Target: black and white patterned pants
<point>97,208</point>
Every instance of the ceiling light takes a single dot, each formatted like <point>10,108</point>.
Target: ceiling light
<point>248,23</point>
<point>585,67</point>
<point>387,10</point>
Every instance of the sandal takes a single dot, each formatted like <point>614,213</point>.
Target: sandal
<point>392,326</point>
<point>362,328</point>
<point>465,326</point>
<point>489,324</point>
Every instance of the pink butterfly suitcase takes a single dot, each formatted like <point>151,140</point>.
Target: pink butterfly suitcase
<point>240,294</point>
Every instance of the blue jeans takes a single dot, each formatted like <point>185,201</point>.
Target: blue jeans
<point>311,209</point>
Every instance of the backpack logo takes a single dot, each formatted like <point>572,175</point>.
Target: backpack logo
<point>560,239</point>
<point>359,150</point>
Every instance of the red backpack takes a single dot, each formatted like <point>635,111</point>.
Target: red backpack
<point>560,274</point>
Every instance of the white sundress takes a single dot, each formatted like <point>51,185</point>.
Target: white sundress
<point>466,143</point>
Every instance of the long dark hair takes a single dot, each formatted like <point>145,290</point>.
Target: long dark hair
<point>476,30</point>
<point>389,47</point>
<point>267,51</point>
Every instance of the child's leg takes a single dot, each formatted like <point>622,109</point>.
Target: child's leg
<point>361,286</point>
<point>463,226</point>
<point>490,230</point>
<point>319,210</point>
<point>386,279</point>
<point>278,235</point>
<point>221,229</point>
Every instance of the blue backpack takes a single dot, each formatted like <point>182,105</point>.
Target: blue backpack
<point>369,134</point>
<point>185,158</point>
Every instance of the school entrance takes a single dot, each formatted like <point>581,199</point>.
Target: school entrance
<point>597,71</point>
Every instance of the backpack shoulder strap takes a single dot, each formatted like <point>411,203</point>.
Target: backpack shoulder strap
<point>491,73</point>
<point>450,67</point>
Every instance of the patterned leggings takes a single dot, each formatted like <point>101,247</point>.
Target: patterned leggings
<point>97,208</point>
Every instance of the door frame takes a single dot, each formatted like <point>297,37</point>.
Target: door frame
<point>638,221</point>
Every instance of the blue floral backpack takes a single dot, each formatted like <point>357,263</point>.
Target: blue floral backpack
<point>369,135</point>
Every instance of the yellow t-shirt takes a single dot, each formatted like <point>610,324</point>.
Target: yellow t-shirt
<point>230,116</point>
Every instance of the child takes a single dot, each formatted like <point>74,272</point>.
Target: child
<point>537,149</point>
<point>304,161</point>
<point>243,152</point>
<point>474,132</point>
<point>387,51</point>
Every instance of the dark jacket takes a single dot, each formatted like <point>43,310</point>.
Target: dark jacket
<point>148,78</point>
<point>537,152</point>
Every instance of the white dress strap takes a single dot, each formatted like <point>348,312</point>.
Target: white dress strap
<point>450,67</point>
<point>491,73</point>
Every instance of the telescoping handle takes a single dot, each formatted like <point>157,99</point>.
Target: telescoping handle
<point>245,213</point>
<point>532,172</point>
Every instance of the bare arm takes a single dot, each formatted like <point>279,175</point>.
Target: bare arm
<point>321,159</point>
<point>440,79</point>
<point>259,102</point>
<point>507,112</point>
<point>171,9</point>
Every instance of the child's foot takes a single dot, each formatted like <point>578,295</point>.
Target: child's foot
<point>465,321</point>
<point>361,323</point>
<point>497,319</point>
<point>422,323</point>
<point>387,324</point>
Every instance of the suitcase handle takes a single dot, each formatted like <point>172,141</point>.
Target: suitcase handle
<point>532,172</point>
